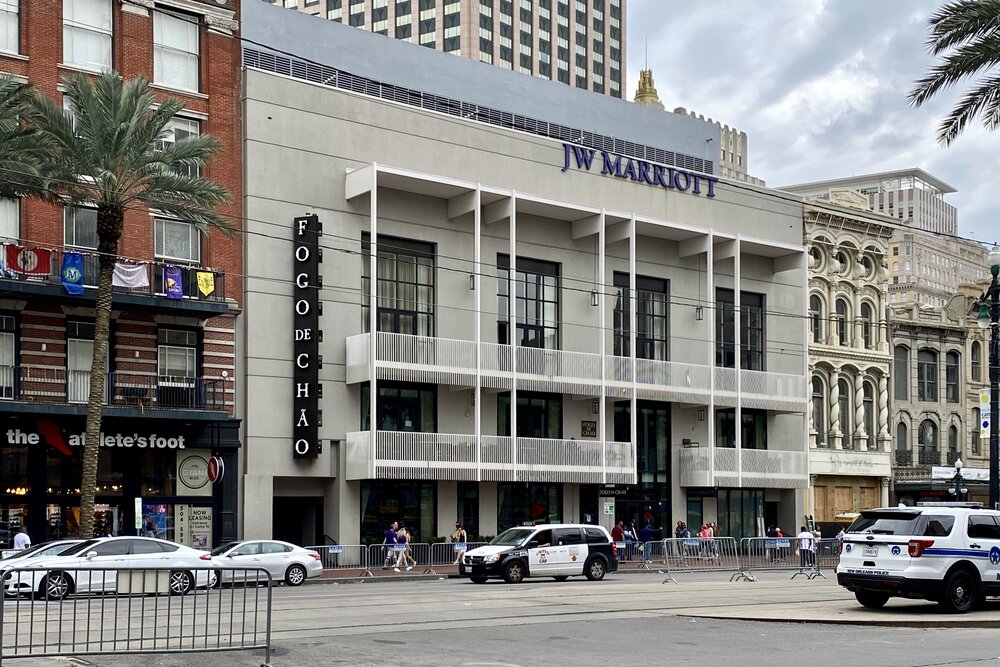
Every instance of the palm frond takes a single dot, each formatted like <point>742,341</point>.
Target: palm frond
<point>965,61</point>
<point>962,21</point>
<point>983,99</point>
<point>22,151</point>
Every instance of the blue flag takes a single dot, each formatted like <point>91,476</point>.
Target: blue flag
<point>72,273</point>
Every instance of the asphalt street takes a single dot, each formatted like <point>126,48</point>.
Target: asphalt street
<point>633,620</point>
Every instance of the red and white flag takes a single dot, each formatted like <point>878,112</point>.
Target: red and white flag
<point>30,261</point>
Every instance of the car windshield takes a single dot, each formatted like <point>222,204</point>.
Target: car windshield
<point>26,552</point>
<point>902,523</point>
<point>218,551</point>
<point>512,537</point>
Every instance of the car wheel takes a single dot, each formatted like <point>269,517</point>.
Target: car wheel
<point>562,577</point>
<point>181,582</point>
<point>871,599</point>
<point>514,572</point>
<point>595,569</point>
<point>56,586</point>
<point>478,580</point>
<point>295,575</point>
<point>960,593</point>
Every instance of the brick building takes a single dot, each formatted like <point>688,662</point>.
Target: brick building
<point>171,367</point>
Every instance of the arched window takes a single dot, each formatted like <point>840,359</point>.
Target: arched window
<point>819,412</point>
<point>870,415</point>
<point>952,365</point>
<point>816,318</point>
<point>846,422</point>
<point>927,443</point>
<point>952,444</point>
<point>900,372</point>
<point>902,438</point>
<point>843,315</point>
<point>927,375</point>
<point>867,324</point>
<point>977,360</point>
<point>977,424</point>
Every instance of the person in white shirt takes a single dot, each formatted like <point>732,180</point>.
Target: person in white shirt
<point>807,542</point>
<point>21,540</point>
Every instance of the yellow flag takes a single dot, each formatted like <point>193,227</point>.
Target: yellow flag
<point>206,282</point>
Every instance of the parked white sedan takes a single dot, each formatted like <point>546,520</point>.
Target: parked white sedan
<point>282,560</point>
<point>93,566</point>
<point>20,558</point>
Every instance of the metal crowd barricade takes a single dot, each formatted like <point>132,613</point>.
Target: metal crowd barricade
<point>780,553</point>
<point>98,611</point>
<point>700,554</point>
<point>827,553</point>
<point>344,558</point>
<point>447,553</point>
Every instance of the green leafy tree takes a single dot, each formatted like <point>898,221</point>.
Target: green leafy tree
<point>108,152</point>
<point>965,35</point>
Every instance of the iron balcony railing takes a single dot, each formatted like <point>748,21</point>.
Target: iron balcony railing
<point>47,269</point>
<point>143,391</point>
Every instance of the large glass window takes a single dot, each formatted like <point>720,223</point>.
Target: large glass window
<point>79,359</point>
<point>653,446</point>
<point>952,366</point>
<point>753,434</point>
<point>819,411</point>
<point>178,129</point>
<point>844,400</point>
<point>977,424</point>
<point>10,218</point>
<point>8,328</point>
<point>902,438</point>
<point>538,415</point>
<point>952,443</point>
<point>869,400</point>
<point>9,25</point>
<point>518,504</point>
<point>405,286</point>
<point>536,304</point>
<point>843,322</point>
<point>80,227</point>
<point>175,49</point>
<point>177,367</point>
<point>177,241</point>
<point>977,359</point>
<point>901,373</point>
<point>752,335</point>
<point>816,318</point>
<point>927,375</point>
<point>401,406</point>
<point>927,443</point>
<point>411,504</point>
<point>867,325</point>
<point>652,314</point>
<point>87,33</point>
<point>468,507</point>
<point>738,512</point>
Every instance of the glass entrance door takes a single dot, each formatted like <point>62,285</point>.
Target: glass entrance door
<point>79,357</point>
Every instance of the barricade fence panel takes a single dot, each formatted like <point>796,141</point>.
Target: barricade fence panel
<point>782,553</point>
<point>448,553</point>
<point>343,557</point>
<point>699,554</point>
<point>93,611</point>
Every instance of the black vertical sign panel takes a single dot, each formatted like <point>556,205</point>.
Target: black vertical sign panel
<point>306,360</point>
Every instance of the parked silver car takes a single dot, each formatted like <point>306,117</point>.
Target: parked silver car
<point>93,566</point>
<point>284,561</point>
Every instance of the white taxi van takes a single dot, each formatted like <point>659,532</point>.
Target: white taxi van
<point>948,553</point>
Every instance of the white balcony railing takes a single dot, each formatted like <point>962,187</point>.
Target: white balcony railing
<point>448,456</point>
<point>747,468</point>
<point>447,361</point>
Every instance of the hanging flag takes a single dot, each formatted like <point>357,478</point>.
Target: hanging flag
<point>30,261</point>
<point>984,413</point>
<point>131,276</point>
<point>173,284</point>
<point>71,275</point>
<point>206,282</point>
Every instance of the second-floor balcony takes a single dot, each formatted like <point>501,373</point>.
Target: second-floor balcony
<point>450,361</point>
<point>463,457</point>
<point>139,391</point>
<point>746,468</point>
<point>143,284</point>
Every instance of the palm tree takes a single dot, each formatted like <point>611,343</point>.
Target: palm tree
<point>109,153</point>
<point>21,150</point>
<point>966,36</point>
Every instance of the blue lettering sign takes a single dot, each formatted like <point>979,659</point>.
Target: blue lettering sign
<point>639,171</point>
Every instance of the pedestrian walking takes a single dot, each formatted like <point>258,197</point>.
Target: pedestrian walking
<point>807,544</point>
<point>462,538</point>
<point>771,544</point>
<point>402,539</point>
<point>21,540</point>
<point>646,535</point>
<point>618,532</point>
<point>630,538</point>
<point>388,544</point>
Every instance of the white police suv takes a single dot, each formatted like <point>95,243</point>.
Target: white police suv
<point>559,551</point>
<point>949,554</point>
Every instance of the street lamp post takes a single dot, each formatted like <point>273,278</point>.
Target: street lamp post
<point>957,489</point>
<point>989,317</point>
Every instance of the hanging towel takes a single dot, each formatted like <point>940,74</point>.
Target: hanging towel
<point>132,276</point>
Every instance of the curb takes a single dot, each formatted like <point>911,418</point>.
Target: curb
<point>874,622</point>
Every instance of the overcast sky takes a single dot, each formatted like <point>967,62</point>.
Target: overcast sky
<point>820,88</point>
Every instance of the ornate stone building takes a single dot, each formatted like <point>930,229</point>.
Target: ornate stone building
<point>849,437</point>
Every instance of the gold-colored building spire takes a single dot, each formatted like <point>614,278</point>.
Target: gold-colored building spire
<point>646,93</point>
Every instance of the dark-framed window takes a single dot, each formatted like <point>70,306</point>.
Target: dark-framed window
<point>79,359</point>
<point>845,401</point>
<point>536,306</point>
<point>843,322</point>
<point>819,411</point>
<point>177,363</point>
<point>927,439</point>
<point>652,310</point>
<point>867,325</point>
<point>519,503</point>
<point>752,333</point>
<point>952,366</point>
<point>901,372</point>
<point>977,424</point>
<point>869,401</point>
<point>927,375</point>
<point>902,438</point>
<point>816,318</point>
<point>753,434</point>
<point>405,285</point>
<point>8,354</point>
<point>976,360</point>
<point>401,406</point>
<point>539,415</point>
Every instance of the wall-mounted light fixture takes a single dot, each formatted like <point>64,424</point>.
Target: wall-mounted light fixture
<point>595,299</point>
<point>472,282</point>
<point>699,313</point>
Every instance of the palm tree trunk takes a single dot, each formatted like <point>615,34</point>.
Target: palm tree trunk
<point>109,227</point>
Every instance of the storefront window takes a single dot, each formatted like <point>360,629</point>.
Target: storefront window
<point>14,471</point>
<point>468,507</point>
<point>528,503</point>
<point>12,517</point>
<point>411,504</point>
<point>739,510</point>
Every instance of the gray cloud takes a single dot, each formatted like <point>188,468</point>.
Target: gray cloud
<point>818,85</point>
